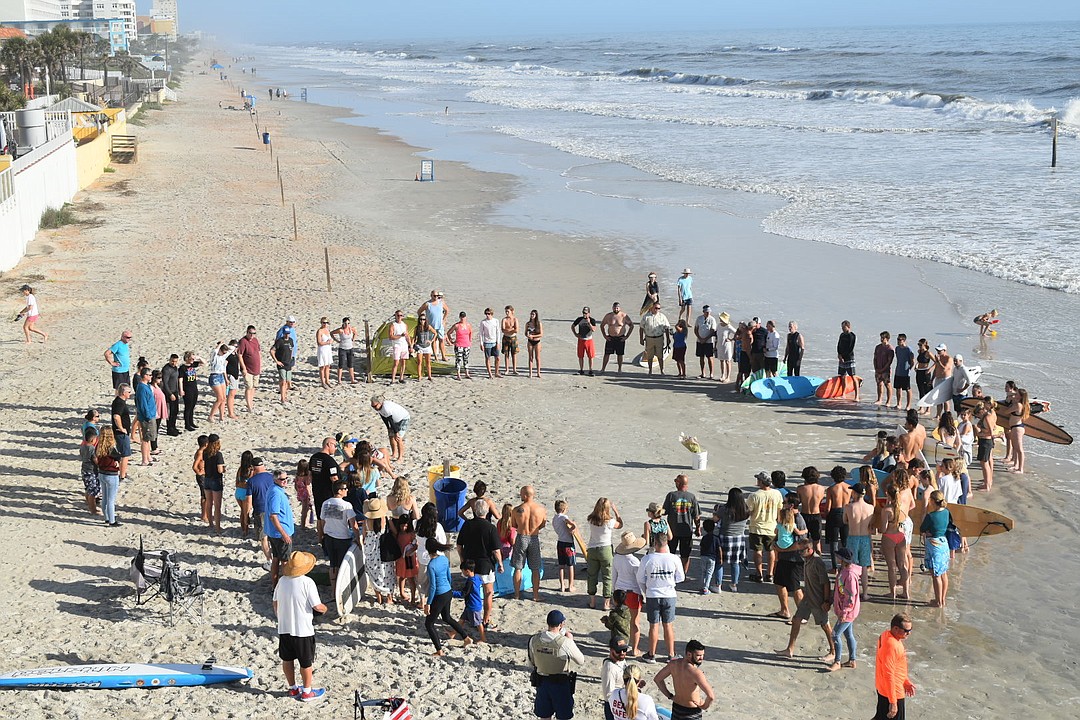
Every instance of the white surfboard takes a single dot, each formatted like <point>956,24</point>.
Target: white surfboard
<point>941,393</point>
<point>351,581</point>
<point>123,675</point>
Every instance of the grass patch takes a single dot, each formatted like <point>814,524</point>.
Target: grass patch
<point>54,218</point>
<point>173,84</point>
<point>151,106</point>
<point>109,169</point>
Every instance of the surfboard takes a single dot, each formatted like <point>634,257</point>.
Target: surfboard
<point>581,546</point>
<point>781,371</point>
<point>351,581</point>
<point>640,359</point>
<point>942,393</point>
<point>938,449</point>
<point>1035,426</point>
<point>838,387</point>
<point>785,388</point>
<point>971,521</point>
<point>504,581</point>
<point>121,675</point>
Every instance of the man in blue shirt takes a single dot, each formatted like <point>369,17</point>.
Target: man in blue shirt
<point>686,294</point>
<point>119,358</point>
<point>260,484</point>
<point>146,413</point>
<point>278,524</point>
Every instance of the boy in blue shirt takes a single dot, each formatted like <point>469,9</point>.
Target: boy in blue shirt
<point>474,600</point>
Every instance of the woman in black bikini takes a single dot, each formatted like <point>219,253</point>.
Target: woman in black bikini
<point>534,330</point>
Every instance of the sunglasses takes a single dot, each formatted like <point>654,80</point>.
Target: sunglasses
<point>906,631</point>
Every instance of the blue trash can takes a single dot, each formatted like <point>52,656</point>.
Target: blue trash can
<point>449,498</point>
<point>266,138</point>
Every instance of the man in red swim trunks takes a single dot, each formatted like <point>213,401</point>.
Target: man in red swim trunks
<point>583,329</point>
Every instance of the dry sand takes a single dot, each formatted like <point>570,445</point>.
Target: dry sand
<point>195,244</point>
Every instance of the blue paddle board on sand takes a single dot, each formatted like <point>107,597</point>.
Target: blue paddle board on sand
<point>792,387</point>
<point>123,675</point>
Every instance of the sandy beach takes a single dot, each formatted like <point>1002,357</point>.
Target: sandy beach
<point>194,244</point>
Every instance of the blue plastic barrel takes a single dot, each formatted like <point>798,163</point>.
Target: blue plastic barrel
<point>266,138</point>
<point>449,498</point>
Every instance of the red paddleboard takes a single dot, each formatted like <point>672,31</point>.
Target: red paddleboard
<point>838,387</point>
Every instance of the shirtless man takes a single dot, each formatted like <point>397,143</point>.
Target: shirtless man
<point>509,339</point>
<point>910,443</point>
<point>943,368</point>
<point>529,518</point>
<point>857,516</point>
<point>986,421</point>
<point>811,494</point>
<point>687,702</point>
<point>615,327</point>
<point>836,497</point>
<point>324,340</point>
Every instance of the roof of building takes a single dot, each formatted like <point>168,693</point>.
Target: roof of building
<point>74,105</point>
<point>6,33</point>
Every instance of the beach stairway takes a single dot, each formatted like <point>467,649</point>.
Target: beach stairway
<point>124,148</point>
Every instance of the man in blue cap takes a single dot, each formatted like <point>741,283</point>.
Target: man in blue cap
<point>552,653</point>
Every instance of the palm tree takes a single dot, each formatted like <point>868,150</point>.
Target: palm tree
<point>57,46</point>
<point>16,57</point>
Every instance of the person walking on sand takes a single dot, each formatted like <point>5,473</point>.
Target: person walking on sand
<point>684,288</point>
<point>510,340</point>
<point>816,601</point>
<point>845,354</point>
<point>489,341</point>
<point>460,334</point>
<point>583,328</point>
<point>891,672</point>
<point>30,314</point>
<point>478,540</point>
<point>691,695</point>
<point>529,518</point>
<point>653,334</point>
<point>705,332</point>
<point>295,600</point>
<point>118,355</point>
<point>616,326</point>
<point>552,654</point>
<point>440,595</point>
<point>398,332</point>
<point>794,349</point>
<point>846,604</point>
<point>397,421</point>
<point>324,342</point>
<point>249,353</point>
<point>658,575</point>
<point>345,336</point>
<point>534,333</point>
<point>883,360</point>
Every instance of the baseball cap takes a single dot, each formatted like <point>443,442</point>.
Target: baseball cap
<point>845,554</point>
<point>958,357</point>
<point>763,477</point>
<point>619,645</point>
<point>704,308</point>
<point>291,318</point>
<point>555,617</point>
<point>940,347</point>
<point>256,461</point>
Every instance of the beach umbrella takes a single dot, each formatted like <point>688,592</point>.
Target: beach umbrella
<point>217,66</point>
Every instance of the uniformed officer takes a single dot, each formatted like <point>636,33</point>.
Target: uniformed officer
<point>552,653</point>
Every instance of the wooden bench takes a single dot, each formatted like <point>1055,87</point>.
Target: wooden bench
<point>124,148</point>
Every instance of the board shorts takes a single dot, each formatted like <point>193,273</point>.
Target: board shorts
<point>401,353</point>
<point>91,483</point>
<point>681,545</point>
<point>681,712</point>
<point>845,368</point>
<point>882,377</point>
<point>491,350</point>
<point>813,526</point>
<point>566,554</point>
<point>757,361</point>
<point>325,355</point>
<point>298,649</point>
<point>123,444</point>
<point>772,364</point>
<point>345,358</point>
<point>860,547</point>
<point>744,364</point>
<point>279,549</point>
<point>251,381</point>
<point>509,344</point>
<point>835,529</point>
<point>654,347</point>
<point>807,609</point>
<point>284,375</point>
<point>217,379</point>
<point>472,618</point>
<point>586,348</point>
<point>660,610</point>
<point>400,428</point>
<point>902,382</point>
<point>615,346</point>
<point>986,449</point>
<point>761,542</point>
<point>149,430</point>
<point>705,349</point>
<point>336,549</point>
<point>788,573</point>
<point>526,549</point>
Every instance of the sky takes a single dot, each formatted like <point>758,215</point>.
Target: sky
<point>332,20</point>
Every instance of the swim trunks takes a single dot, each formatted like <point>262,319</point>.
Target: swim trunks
<point>681,712</point>
<point>526,549</point>
<point>615,346</point>
<point>509,344</point>
<point>859,545</point>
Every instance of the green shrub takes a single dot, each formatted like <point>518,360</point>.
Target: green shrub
<point>54,218</point>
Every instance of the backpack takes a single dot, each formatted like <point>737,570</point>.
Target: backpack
<point>389,550</point>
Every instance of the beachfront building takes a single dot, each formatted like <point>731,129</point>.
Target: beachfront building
<point>113,30</point>
<point>164,18</point>
<point>102,10</point>
<point>21,10</point>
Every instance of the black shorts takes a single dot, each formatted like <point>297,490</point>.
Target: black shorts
<point>345,358</point>
<point>705,349</point>
<point>902,382</point>
<point>813,526</point>
<point>772,364</point>
<point>835,529</point>
<point>883,709</point>
<point>986,449</point>
<point>682,546</point>
<point>757,361</point>
<point>615,346</point>
<point>744,363</point>
<point>678,354</point>
<point>788,573</point>
<point>279,549</point>
<point>300,649</point>
<point>336,549</point>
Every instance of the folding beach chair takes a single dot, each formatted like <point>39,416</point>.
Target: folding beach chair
<point>156,573</point>
<point>391,708</point>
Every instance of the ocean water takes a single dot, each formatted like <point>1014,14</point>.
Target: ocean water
<point>927,142</point>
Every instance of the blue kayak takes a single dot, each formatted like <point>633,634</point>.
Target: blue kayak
<point>792,387</point>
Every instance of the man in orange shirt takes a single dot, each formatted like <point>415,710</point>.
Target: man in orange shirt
<point>891,674</point>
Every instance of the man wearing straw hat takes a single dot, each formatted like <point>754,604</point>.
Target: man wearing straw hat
<point>725,346</point>
<point>295,598</point>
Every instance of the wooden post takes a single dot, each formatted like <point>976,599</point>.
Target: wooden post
<point>446,467</point>
<point>326,257</point>
<point>281,184</point>
<point>370,355</point>
<point>294,237</point>
<point>1053,152</point>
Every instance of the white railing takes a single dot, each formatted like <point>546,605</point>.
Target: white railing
<point>7,187</point>
<point>57,123</point>
<point>44,178</point>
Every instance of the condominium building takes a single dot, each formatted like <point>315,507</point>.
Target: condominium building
<point>102,10</point>
<point>23,10</point>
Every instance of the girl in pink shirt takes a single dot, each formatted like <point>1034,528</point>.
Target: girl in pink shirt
<point>846,605</point>
<point>461,334</point>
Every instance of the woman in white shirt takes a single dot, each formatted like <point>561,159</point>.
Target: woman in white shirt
<point>602,520</point>
<point>218,363</point>
<point>31,313</point>
<point>628,702</point>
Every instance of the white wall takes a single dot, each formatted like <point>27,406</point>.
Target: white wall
<point>21,10</point>
<point>46,178</point>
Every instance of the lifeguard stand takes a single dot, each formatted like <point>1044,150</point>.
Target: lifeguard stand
<point>427,170</point>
